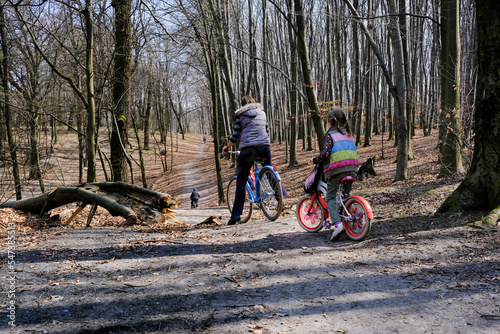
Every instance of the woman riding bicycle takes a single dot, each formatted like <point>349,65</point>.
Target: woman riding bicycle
<point>252,130</point>
<point>340,157</point>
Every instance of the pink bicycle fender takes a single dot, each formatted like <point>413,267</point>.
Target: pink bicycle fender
<point>365,203</point>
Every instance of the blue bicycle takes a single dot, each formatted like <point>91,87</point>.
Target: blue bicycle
<point>263,188</point>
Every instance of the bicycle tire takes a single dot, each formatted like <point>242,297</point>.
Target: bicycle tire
<point>310,220</point>
<point>271,205</point>
<point>247,207</point>
<point>359,226</point>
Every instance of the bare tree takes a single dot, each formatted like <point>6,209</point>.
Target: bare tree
<point>121,88</point>
<point>479,189</point>
<point>450,126</point>
<point>88,98</point>
<point>5,104</point>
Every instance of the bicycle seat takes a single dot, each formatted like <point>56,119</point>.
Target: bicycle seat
<point>347,179</point>
<point>259,160</point>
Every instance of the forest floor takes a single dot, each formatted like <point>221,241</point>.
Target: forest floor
<point>416,271</point>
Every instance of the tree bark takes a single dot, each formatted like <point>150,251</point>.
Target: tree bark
<point>450,128</point>
<point>121,87</point>
<point>306,72</point>
<point>90,105</point>
<point>481,187</point>
<point>4,74</point>
<point>400,103</point>
<point>294,68</point>
<point>88,195</point>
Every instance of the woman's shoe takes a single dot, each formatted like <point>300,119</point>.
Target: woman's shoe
<point>233,220</point>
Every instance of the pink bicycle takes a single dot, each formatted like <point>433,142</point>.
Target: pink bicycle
<point>355,211</point>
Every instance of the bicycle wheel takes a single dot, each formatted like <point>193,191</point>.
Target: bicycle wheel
<point>359,225</point>
<point>271,194</point>
<point>310,214</point>
<point>247,207</point>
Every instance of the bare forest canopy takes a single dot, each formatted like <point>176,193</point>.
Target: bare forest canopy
<point>138,72</point>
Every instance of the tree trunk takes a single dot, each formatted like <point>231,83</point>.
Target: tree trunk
<point>481,187</point>
<point>294,68</point>
<point>400,103</point>
<point>141,157</point>
<point>35,171</point>
<point>403,29</point>
<point>90,105</point>
<point>4,74</point>
<point>215,130</point>
<point>147,114</point>
<point>121,88</point>
<point>451,157</point>
<point>306,72</point>
<point>357,111</point>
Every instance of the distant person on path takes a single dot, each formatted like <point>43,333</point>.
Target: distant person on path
<point>252,130</point>
<point>195,196</point>
<point>340,159</point>
<point>204,139</point>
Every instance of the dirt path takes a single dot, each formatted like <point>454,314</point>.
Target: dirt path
<point>415,273</point>
<point>189,173</point>
<point>259,277</point>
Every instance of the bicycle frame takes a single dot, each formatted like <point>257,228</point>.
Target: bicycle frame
<point>322,189</point>
<point>254,181</point>
<point>263,188</point>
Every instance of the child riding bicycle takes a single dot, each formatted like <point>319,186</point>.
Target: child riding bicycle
<point>340,158</point>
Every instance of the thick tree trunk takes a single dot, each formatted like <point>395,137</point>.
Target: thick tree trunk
<point>90,105</point>
<point>481,187</point>
<point>215,128</point>
<point>4,74</point>
<point>294,68</point>
<point>449,128</point>
<point>306,72</point>
<point>403,28</point>
<point>121,87</point>
<point>400,104</point>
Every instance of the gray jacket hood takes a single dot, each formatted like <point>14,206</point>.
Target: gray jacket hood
<point>250,109</point>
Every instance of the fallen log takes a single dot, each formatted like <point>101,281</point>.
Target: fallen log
<point>151,198</point>
<point>105,194</point>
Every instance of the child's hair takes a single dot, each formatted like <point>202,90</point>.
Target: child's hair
<point>247,99</point>
<point>338,119</point>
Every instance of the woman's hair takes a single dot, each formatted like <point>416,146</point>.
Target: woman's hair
<point>338,119</point>
<point>247,99</point>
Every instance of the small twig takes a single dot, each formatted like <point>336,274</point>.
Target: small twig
<point>140,285</point>
<point>77,211</point>
<point>490,316</point>
<point>91,213</point>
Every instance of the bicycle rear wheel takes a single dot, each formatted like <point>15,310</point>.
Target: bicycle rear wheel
<point>310,213</point>
<point>359,225</point>
<point>247,207</point>
<point>271,193</point>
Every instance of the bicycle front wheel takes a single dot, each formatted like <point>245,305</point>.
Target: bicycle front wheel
<point>359,224</point>
<point>270,192</point>
<point>247,207</point>
<point>310,214</point>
